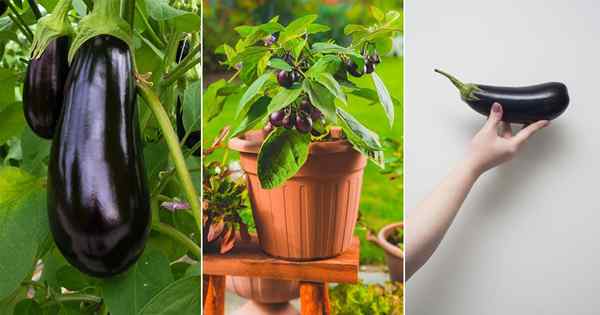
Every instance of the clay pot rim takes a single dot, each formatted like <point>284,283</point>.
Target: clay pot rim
<point>385,244</point>
<point>244,145</point>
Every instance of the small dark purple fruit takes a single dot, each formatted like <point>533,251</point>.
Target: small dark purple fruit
<point>352,68</point>
<point>316,114</point>
<point>284,78</point>
<point>303,123</point>
<point>369,67</point>
<point>306,106</point>
<point>288,120</point>
<point>288,58</point>
<point>296,76</point>
<point>276,118</point>
<point>374,59</point>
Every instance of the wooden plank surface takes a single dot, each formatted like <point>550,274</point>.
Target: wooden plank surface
<point>247,259</point>
<point>313,298</point>
<point>215,296</point>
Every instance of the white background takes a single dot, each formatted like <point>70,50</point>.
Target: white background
<point>527,240</point>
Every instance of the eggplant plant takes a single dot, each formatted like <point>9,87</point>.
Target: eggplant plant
<point>99,203</point>
<point>297,88</point>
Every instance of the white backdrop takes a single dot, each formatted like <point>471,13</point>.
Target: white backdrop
<point>527,240</point>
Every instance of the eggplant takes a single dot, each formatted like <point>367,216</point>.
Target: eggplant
<point>3,7</point>
<point>522,105</point>
<point>98,200</point>
<point>43,88</point>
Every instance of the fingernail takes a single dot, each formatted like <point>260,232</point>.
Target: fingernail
<point>496,108</point>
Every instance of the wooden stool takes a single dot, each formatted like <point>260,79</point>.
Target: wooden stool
<point>248,260</point>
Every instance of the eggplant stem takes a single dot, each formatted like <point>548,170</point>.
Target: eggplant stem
<point>466,89</point>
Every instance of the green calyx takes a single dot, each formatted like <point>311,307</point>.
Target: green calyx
<point>50,27</point>
<point>103,20</point>
<point>466,90</point>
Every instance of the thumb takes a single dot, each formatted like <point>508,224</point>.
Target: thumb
<point>495,116</point>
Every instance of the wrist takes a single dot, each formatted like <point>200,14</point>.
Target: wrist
<point>471,168</point>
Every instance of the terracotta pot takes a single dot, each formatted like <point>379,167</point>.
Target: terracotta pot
<point>313,214</point>
<point>394,255</point>
<point>267,291</point>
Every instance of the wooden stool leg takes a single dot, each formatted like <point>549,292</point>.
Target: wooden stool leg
<point>215,296</point>
<point>314,298</point>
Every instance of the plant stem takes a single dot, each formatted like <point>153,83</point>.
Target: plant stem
<point>179,72</point>
<point>186,64</point>
<point>73,297</point>
<point>21,27</point>
<point>173,143</point>
<point>35,9</point>
<point>128,11</point>
<point>179,237</point>
<point>24,28</point>
<point>151,31</point>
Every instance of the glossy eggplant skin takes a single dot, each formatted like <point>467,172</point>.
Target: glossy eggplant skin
<point>44,86</point>
<point>523,105</point>
<point>98,200</point>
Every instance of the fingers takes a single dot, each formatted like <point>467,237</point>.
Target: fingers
<point>506,130</point>
<point>528,131</point>
<point>495,117</point>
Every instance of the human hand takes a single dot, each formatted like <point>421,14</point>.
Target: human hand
<point>495,143</point>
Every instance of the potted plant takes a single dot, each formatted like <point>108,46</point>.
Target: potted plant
<point>224,225</point>
<point>305,167</point>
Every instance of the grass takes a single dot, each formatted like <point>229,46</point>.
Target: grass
<point>381,199</point>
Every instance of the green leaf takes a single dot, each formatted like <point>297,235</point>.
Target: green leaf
<point>160,10</point>
<point>328,81</point>
<point>27,307</point>
<point>70,278</point>
<point>284,98</point>
<point>384,97</point>
<point>187,23</point>
<point>252,92</point>
<point>363,139</point>
<point>13,122</point>
<point>127,294</point>
<point>377,14</point>
<point>297,28</point>
<point>318,28</point>
<point>278,63</point>
<point>281,156</point>
<point>182,297</point>
<point>321,98</point>
<point>330,48</point>
<point>353,28</point>
<point>258,111</point>
<point>8,81</point>
<point>328,63</point>
<point>213,104</point>
<point>23,226</point>
<point>191,106</point>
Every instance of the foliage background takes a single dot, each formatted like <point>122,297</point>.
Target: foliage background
<point>381,201</point>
